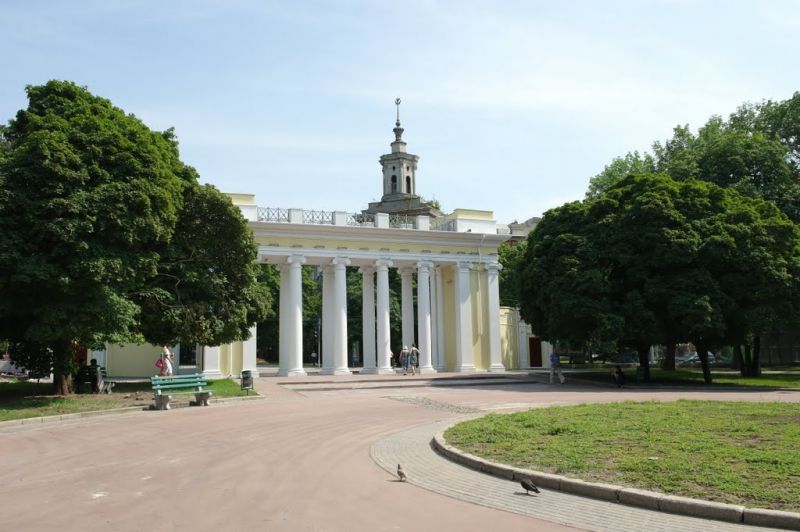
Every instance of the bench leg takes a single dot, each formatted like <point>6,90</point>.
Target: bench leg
<point>162,402</point>
<point>201,398</point>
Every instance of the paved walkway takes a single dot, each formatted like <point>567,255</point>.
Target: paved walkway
<point>300,459</point>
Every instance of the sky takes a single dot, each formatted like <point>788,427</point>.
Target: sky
<point>512,106</point>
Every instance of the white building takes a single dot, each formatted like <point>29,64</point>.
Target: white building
<point>458,320</point>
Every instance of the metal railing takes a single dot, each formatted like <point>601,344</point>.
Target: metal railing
<point>443,225</point>
<point>360,219</point>
<point>401,221</point>
<point>269,214</point>
<point>318,217</point>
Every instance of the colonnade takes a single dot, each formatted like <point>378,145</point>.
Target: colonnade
<point>430,315</point>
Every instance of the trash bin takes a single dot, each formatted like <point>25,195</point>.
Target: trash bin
<point>247,380</point>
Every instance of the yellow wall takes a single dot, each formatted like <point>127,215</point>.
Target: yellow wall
<point>449,318</point>
<point>480,321</point>
<point>509,338</point>
<point>132,360</point>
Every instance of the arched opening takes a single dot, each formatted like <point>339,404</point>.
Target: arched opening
<point>408,184</point>
<point>394,183</point>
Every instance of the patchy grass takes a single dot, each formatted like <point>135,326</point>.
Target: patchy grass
<point>733,452</point>
<point>25,399</point>
<point>694,377</point>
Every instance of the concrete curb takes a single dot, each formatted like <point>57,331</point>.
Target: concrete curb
<point>634,497</point>
<point>28,421</point>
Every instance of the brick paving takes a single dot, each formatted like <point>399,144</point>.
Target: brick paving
<point>427,469</point>
<point>304,458</point>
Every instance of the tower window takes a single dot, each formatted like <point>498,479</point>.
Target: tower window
<point>408,184</point>
<point>394,183</point>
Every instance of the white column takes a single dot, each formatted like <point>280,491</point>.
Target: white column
<point>368,319</point>
<point>327,321</point>
<point>493,313</point>
<point>407,305</point>
<point>249,352</point>
<point>463,306</point>
<point>440,319</point>
<point>211,362</point>
<point>424,316</point>
<point>383,347</point>
<point>339,312</point>
<point>291,317</point>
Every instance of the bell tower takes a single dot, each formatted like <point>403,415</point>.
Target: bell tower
<point>400,180</point>
<point>399,167</point>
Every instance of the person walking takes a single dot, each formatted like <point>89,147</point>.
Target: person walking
<point>555,366</point>
<point>166,360</point>
<point>405,359</point>
<point>414,358</point>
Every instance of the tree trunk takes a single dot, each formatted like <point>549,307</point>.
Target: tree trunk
<point>702,352</point>
<point>738,360</point>
<point>669,358</point>
<point>63,367</point>
<point>644,361</point>
<point>755,363</point>
<point>747,361</point>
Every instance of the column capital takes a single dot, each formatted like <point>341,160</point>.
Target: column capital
<point>340,261</point>
<point>406,271</point>
<point>425,266</point>
<point>493,267</point>
<point>464,266</point>
<point>383,264</point>
<point>296,259</point>
<point>366,270</point>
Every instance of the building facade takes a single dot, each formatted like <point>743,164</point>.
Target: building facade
<point>457,322</point>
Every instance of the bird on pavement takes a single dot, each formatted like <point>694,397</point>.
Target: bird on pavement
<point>400,473</point>
<point>529,486</point>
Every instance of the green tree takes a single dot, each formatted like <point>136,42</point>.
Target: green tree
<point>90,203</point>
<point>510,255</point>
<point>205,289</point>
<point>658,261</point>
<point>621,167</point>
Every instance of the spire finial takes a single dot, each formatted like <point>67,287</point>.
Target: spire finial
<point>398,131</point>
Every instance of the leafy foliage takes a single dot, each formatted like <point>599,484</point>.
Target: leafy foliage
<point>655,261</point>
<point>89,206</point>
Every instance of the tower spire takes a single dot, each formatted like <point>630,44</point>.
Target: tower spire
<point>398,131</point>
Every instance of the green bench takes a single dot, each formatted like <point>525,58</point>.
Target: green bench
<point>165,387</point>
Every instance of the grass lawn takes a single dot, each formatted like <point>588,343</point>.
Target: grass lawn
<point>734,452</point>
<point>21,399</point>
<point>694,377</point>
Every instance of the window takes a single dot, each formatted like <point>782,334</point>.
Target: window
<point>394,183</point>
<point>408,184</point>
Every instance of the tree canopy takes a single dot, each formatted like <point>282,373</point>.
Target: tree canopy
<point>756,150</point>
<point>654,260</point>
<point>98,215</point>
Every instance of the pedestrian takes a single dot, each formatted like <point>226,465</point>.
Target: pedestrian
<point>555,366</point>
<point>619,376</point>
<point>414,358</point>
<point>165,362</point>
<point>405,359</point>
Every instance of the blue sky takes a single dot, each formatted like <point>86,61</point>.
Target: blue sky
<point>511,106</point>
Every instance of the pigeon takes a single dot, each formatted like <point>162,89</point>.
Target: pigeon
<point>400,473</point>
<point>529,486</point>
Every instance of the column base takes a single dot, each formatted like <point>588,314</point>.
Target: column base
<point>213,374</point>
<point>427,370</point>
<point>342,371</point>
<point>497,368</point>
